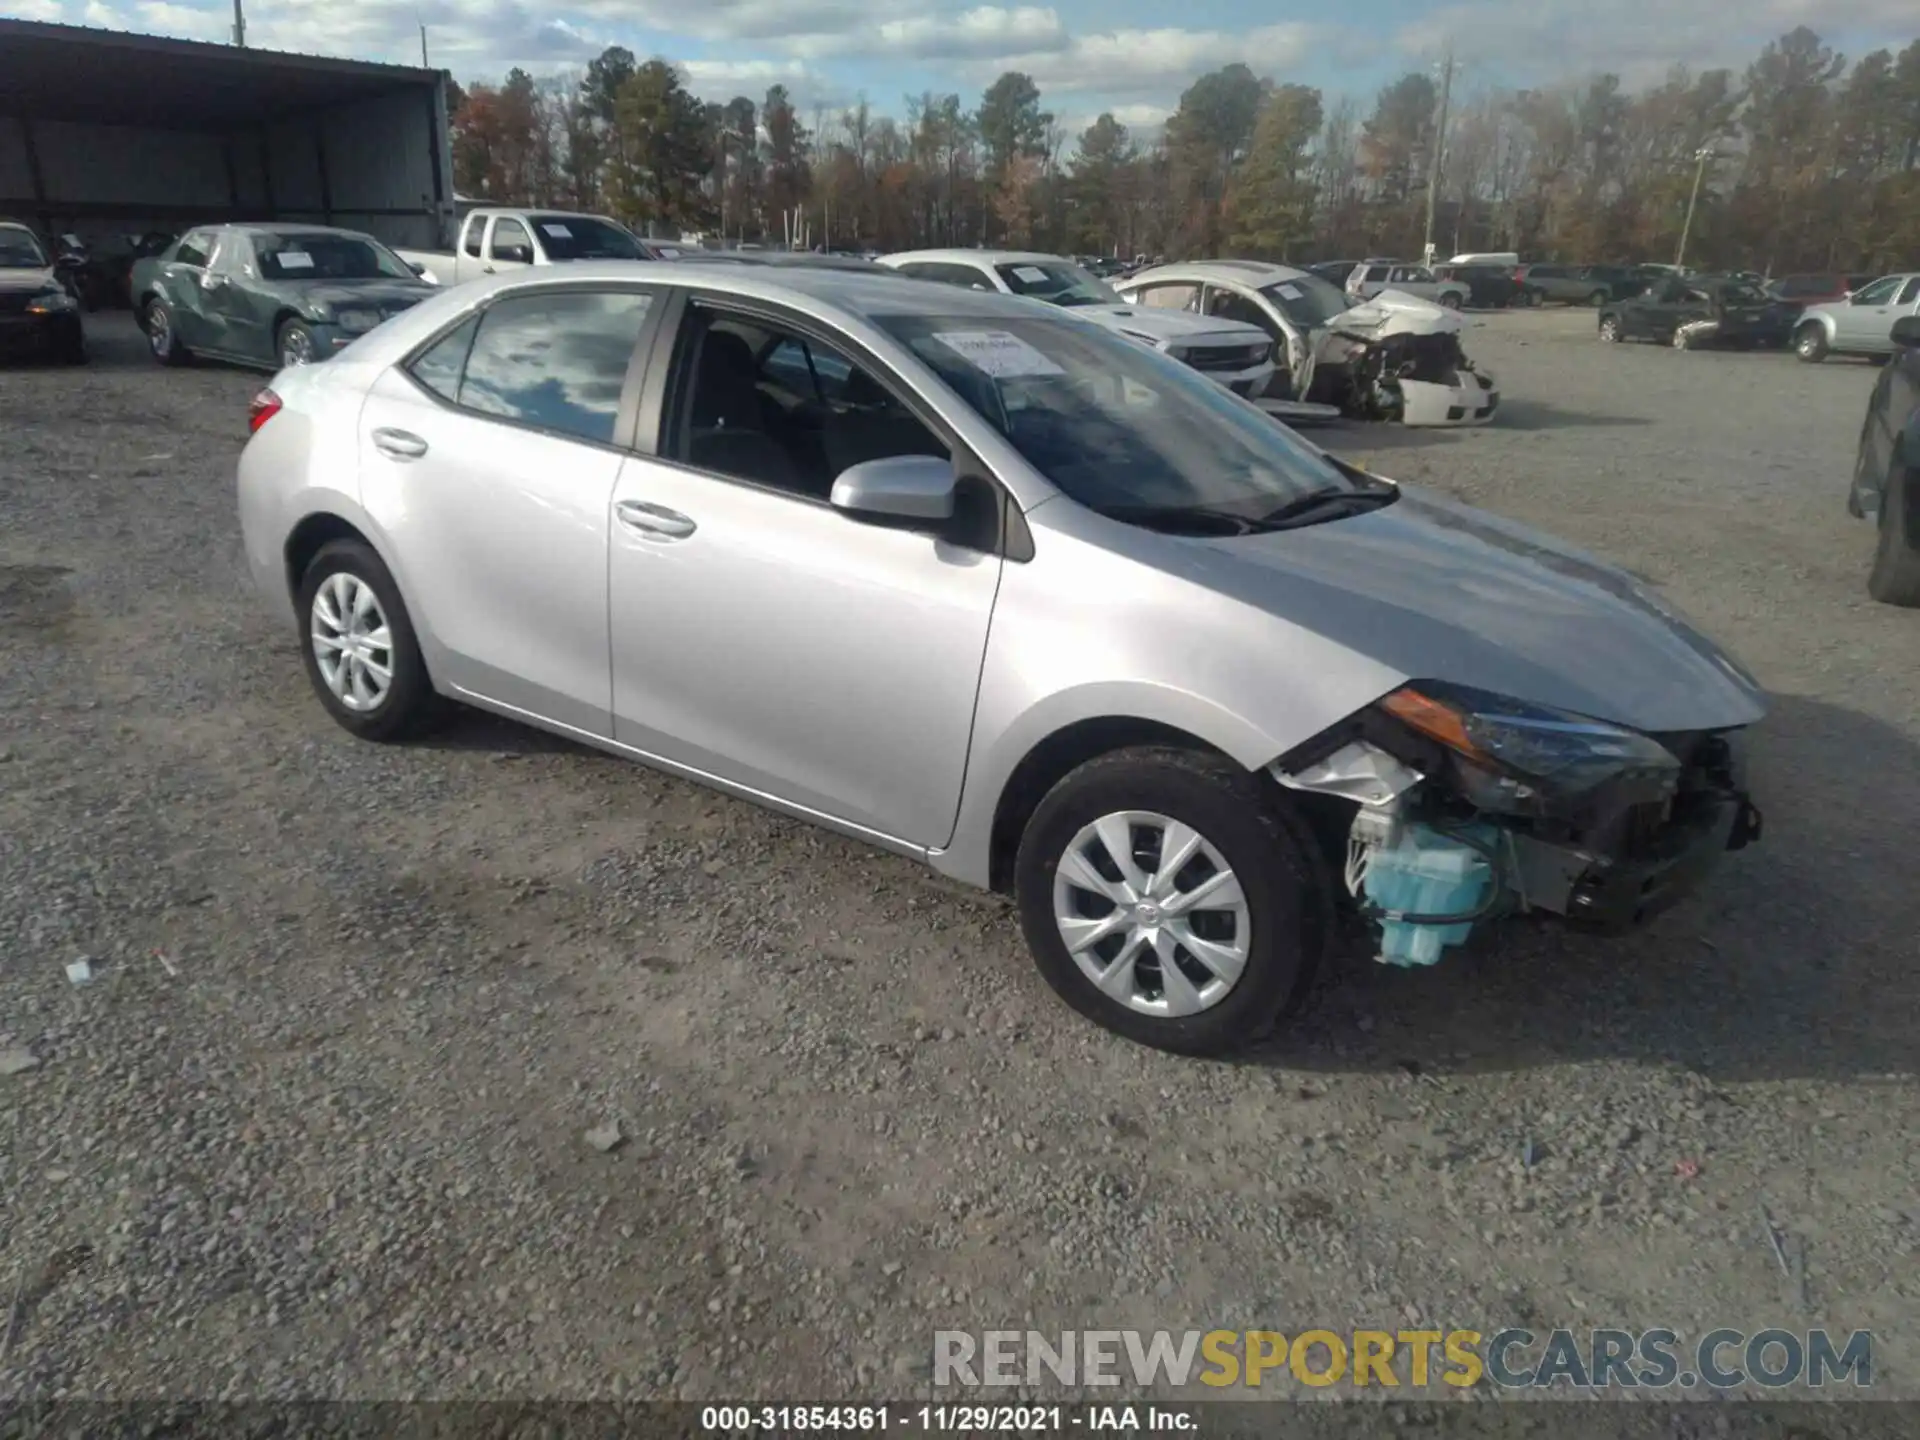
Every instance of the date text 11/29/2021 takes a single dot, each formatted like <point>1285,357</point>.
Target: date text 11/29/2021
<point>944,1419</point>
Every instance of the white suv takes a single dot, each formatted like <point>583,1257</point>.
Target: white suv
<point>1237,355</point>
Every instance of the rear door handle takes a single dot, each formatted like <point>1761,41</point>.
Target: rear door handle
<point>400,444</point>
<point>653,522</point>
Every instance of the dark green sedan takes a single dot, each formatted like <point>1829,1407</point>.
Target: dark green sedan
<point>269,295</point>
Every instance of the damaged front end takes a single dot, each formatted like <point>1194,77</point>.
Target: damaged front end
<point>1402,361</point>
<point>1469,806</point>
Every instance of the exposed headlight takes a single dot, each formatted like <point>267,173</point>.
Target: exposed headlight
<point>51,302</point>
<point>356,322</point>
<point>1152,343</point>
<point>1513,755</point>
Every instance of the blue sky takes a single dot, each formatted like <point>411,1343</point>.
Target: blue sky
<point>1131,56</point>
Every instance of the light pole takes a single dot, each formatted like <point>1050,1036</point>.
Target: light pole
<point>726,135</point>
<point>1702,156</point>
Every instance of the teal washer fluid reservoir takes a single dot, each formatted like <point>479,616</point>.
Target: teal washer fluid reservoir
<point>1427,873</point>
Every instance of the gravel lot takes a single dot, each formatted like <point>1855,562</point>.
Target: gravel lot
<point>318,1125</point>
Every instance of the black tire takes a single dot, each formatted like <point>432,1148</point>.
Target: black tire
<point>1810,344</point>
<point>1449,301</point>
<point>1598,298</point>
<point>1895,577</point>
<point>410,705</point>
<point>163,338</point>
<point>293,344</point>
<point>1610,329</point>
<point>1266,844</point>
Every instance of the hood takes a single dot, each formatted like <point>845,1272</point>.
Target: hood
<point>1174,325</point>
<point>1395,312</point>
<point>31,281</point>
<point>1438,590</point>
<point>337,294</point>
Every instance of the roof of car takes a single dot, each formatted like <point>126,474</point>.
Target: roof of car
<point>283,227</point>
<point>981,257</point>
<point>867,293</point>
<point>1257,272</point>
<point>789,259</point>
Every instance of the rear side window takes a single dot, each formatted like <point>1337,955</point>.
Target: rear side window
<point>1911,293</point>
<point>439,367</point>
<point>194,249</point>
<point>555,362</point>
<point>475,228</point>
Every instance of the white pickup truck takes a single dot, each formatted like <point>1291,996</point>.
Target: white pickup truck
<point>492,240</point>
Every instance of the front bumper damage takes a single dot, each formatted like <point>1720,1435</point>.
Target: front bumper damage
<point>1427,869</point>
<point>1398,358</point>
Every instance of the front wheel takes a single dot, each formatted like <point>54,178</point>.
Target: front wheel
<point>1895,577</point>
<point>1682,340</point>
<point>1522,299</point>
<point>1450,301</point>
<point>1167,896</point>
<point>358,643</point>
<point>293,345</point>
<point>1810,344</point>
<point>1610,329</point>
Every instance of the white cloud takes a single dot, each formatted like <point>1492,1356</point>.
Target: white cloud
<point>46,11</point>
<point>1137,64</point>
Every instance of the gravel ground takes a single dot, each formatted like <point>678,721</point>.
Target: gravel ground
<point>319,1125</point>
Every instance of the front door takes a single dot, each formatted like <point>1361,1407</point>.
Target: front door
<point>1863,322</point>
<point>186,274</point>
<point>240,316</point>
<point>1289,351</point>
<point>496,454</point>
<point>762,636</point>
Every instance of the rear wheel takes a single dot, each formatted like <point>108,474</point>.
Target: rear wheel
<point>1450,300</point>
<point>1810,344</point>
<point>1682,339</point>
<point>1895,577</point>
<point>358,643</point>
<point>1168,896</point>
<point>1522,299</point>
<point>1610,329</point>
<point>293,344</point>
<point>1598,298</point>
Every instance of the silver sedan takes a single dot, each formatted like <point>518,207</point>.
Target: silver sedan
<point>1007,593</point>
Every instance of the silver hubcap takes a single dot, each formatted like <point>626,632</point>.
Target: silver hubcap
<point>1152,914</point>
<point>159,330</point>
<point>1807,343</point>
<point>296,348</point>
<point>351,643</point>
<point>1608,330</point>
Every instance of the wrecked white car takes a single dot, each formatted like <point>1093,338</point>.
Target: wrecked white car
<point>1395,357</point>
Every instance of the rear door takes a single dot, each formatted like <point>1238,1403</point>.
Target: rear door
<point>185,273</point>
<point>244,315</point>
<point>491,457</point>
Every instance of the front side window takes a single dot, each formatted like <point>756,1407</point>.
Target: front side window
<point>1118,427</point>
<point>555,361</point>
<point>510,240</point>
<point>787,411</point>
<point>194,249</point>
<point>1170,297</point>
<point>20,249</point>
<point>1228,305</point>
<point>582,237</point>
<point>1056,282</point>
<point>1374,274</point>
<point>323,256</point>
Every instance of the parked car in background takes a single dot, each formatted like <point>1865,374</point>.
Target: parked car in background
<point>1237,355</point>
<point>1816,288</point>
<point>1334,272</point>
<point>1861,324</point>
<point>269,295</point>
<point>493,239</point>
<point>1612,282</point>
<point>1489,287</point>
<point>1695,313</point>
<point>1559,284</point>
<point>1500,259</point>
<point>130,251</point>
<point>804,259</point>
<point>1390,358</point>
<point>1371,277</point>
<point>38,318</point>
<point>1886,471</point>
<point>1012,596</point>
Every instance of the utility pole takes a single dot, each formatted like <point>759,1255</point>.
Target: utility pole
<point>1439,145</point>
<point>424,65</point>
<point>1702,155</point>
<point>239,25</point>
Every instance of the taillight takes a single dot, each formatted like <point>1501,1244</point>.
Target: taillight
<point>263,408</point>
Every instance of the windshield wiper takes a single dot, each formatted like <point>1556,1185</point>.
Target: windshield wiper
<point>1326,504</point>
<point>1188,519</point>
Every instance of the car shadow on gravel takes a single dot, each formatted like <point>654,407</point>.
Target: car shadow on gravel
<point>469,730</point>
<point>1539,415</point>
<point>1792,963</point>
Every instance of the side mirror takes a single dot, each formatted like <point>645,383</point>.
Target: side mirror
<point>1906,332</point>
<point>416,267</point>
<point>514,254</point>
<point>900,487</point>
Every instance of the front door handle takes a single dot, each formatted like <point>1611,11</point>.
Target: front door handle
<point>400,444</point>
<point>653,522</point>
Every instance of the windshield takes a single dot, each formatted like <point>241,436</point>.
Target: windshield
<point>581,237</point>
<point>1114,425</point>
<point>1058,283</point>
<point>20,250</point>
<point>1307,300</point>
<point>328,257</point>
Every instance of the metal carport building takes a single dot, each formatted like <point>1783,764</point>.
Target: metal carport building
<point>107,132</point>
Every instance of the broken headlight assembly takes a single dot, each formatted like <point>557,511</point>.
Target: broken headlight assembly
<point>1515,757</point>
